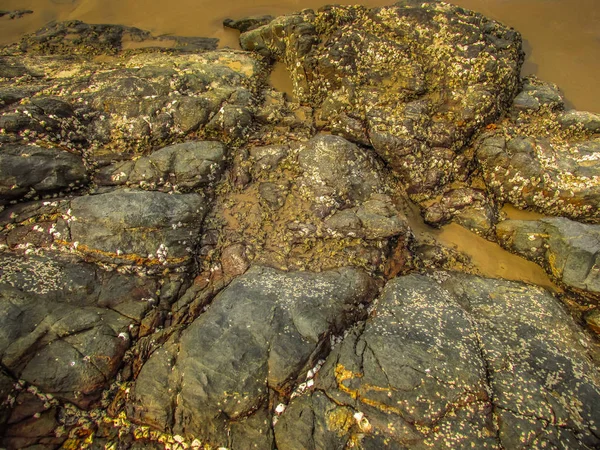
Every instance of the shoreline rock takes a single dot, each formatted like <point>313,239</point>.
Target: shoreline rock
<point>190,259</point>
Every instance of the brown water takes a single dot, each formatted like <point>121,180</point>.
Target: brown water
<point>562,36</point>
<point>487,257</point>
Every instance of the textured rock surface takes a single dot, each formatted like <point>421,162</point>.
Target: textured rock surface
<point>472,363</point>
<point>469,207</point>
<point>33,171</point>
<point>103,110</point>
<point>66,326</point>
<point>248,348</point>
<point>320,204</point>
<point>542,158</point>
<point>378,78</point>
<point>180,167</point>
<point>568,250</point>
<point>182,245</point>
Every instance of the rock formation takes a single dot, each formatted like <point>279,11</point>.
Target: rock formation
<point>189,259</point>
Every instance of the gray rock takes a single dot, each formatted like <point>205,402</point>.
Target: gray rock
<point>136,227</point>
<point>76,37</point>
<point>537,94</point>
<point>67,351</point>
<point>248,23</point>
<point>31,171</point>
<point>471,363</point>
<point>586,120</point>
<point>183,167</point>
<point>338,173</point>
<point>568,250</point>
<point>254,341</point>
<point>376,76</point>
<point>469,207</point>
<point>376,218</point>
<point>555,176</point>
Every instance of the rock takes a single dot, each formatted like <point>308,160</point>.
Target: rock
<point>34,171</point>
<point>537,94</point>
<point>544,160</point>
<point>234,260</point>
<point>586,120</point>
<point>66,351</point>
<point>274,195</point>
<point>314,205</point>
<point>365,71</point>
<point>76,37</point>
<point>135,227</point>
<point>248,23</point>
<point>593,320</point>
<point>376,218</point>
<point>337,172</point>
<point>470,208</point>
<point>430,369</point>
<point>118,111</point>
<point>15,14</point>
<point>262,331</point>
<point>65,327</point>
<point>182,167</point>
<point>568,250</point>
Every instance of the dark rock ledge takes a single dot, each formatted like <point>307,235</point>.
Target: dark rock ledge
<point>190,260</point>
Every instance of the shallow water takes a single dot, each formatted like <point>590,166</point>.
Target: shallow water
<point>562,37</point>
<point>487,257</point>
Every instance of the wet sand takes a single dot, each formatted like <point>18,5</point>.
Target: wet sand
<point>562,37</point>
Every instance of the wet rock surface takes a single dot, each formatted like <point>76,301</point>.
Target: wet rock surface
<point>31,171</point>
<point>437,366</point>
<point>190,258</point>
<point>376,77</point>
<point>259,334</point>
<point>544,158</point>
<point>568,250</point>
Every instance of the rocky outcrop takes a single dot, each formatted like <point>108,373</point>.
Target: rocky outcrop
<point>317,205</point>
<point>543,158</point>
<point>377,78</point>
<point>66,325</point>
<point>471,363</point>
<point>568,250</point>
<point>191,258</point>
<point>219,379</point>
<point>28,171</point>
<point>103,110</point>
<point>178,168</point>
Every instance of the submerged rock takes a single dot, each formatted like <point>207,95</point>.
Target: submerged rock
<point>415,80</point>
<point>471,363</point>
<point>568,250</point>
<point>259,335</point>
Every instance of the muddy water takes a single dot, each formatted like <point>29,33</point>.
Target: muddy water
<point>489,258</point>
<point>562,36</point>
